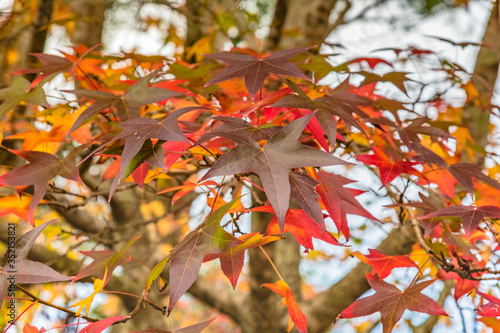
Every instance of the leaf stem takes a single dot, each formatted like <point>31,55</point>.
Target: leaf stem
<point>41,301</point>
<point>260,107</point>
<point>15,320</point>
<point>217,195</point>
<point>272,264</point>
<point>247,180</point>
<point>153,304</point>
<point>141,262</point>
<point>193,141</point>
<point>89,80</point>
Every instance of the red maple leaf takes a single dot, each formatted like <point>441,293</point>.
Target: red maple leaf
<point>231,260</point>
<point>136,133</point>
<point>462,286</point>
<point>490,309</point>
<point>339,102</point>
<point>105,261</point>
<point>255,70</point>
<point>22,269</point>
<point>382,263</point>
<point>392,302</point>
<point>41,169</point>
<point>186,258</point>
<point>281,288</point>
<point>196,328</point>
<point>300,225</point>
<point>128,105</point>
<point>387,168</point>
<point>340,201</point>
<point>272,161</point>
<point>471,216</point>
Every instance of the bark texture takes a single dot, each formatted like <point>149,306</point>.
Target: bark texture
<point>476,115</point>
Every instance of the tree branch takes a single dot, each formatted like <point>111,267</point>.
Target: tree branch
<point>78,217</point>
<point>229,303</point>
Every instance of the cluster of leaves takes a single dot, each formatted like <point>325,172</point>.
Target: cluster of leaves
<point>274,131</point>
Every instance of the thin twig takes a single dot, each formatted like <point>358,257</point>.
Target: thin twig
<point>41,301</point>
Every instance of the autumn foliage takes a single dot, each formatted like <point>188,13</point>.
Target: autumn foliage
<point>249,134</point>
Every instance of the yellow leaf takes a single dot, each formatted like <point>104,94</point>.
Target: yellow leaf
<point>421,258</point>
<point>472,93</point>
<point>462,135</point>
<point>202,46</point>
<point>86,302</point>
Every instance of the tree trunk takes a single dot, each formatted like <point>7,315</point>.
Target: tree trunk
<point>23,33</point>
<point>476,115</point>
<point>90,23</point>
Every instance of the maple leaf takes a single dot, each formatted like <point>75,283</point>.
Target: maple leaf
<point>231,102</point>
<point>340,201</point>
<point>128,106</point>
<point>298,223</point>
<point>19,91</point>
<point>464,172</point>
<point>138,175</point>
<point>491,322</point>
<point>255,70</point>
<point>339,102</point>
<point>428,205</point>
<point>105,262</point>
<point>471,216</point>
<point>409,134</point>
<point>461,286</point>
<point>314,127</point>
<point>16,204</point>
<point>27,271</point>
<point>239,130</point>
<point>186,258</point>
<point>392,302</point>
<point>372,62</point>
<point>272,161</point>
<point>281,288</point>
<point>27,328</point>
<point>22,270</point>
<point>186,188</point>
<point>196,328</point>
<point>41,169</point>
<point>34,138</point>
<point>442,178</point>
<point>136,132</point>
<point>155,274</point>
<point>231,260</point>
<point>396,78</point>
<point>51,64</point>
<point>303,190</point>
<point>383,264</point>
<point>101,325</point>
<point>491,309</point>
<point>389,169</point>
<point>87,301</point>
<point>217,201</point>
